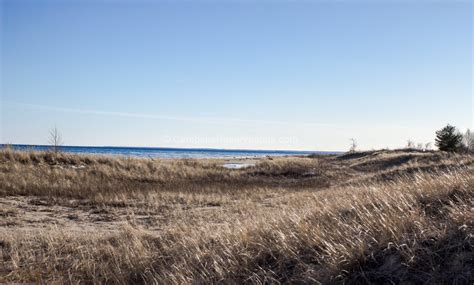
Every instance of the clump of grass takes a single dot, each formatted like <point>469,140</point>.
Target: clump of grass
<point>86,176</point>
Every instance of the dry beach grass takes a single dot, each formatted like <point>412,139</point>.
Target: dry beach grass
<point>379,216</point>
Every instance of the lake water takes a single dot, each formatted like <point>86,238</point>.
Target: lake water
<point>170,152</point>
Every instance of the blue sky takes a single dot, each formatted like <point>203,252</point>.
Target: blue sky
<point>235,74</point>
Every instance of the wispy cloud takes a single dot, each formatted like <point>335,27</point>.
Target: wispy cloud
<point>202,120</point>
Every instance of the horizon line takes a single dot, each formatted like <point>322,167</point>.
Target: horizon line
<point>177,148</point>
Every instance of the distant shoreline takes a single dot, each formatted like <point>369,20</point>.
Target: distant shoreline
<point>167,152</point>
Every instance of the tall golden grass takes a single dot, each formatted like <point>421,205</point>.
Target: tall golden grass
<point>380,217</point>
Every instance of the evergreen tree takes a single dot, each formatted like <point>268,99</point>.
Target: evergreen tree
<point>449,139</point>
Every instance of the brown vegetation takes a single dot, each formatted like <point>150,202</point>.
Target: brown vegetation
<point>380,216</point>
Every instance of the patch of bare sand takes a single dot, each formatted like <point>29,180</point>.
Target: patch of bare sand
<point>32,213</point>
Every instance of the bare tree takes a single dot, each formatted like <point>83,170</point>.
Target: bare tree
<point>55,139</point>
<point>353,147</point>
<point>428,146</point>
<point>469,140</point>
<point>410,144</point>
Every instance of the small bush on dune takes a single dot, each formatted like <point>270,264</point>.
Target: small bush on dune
<point>449,139</point>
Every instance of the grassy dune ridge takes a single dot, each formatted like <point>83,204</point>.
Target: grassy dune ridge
<point>380,216</point>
